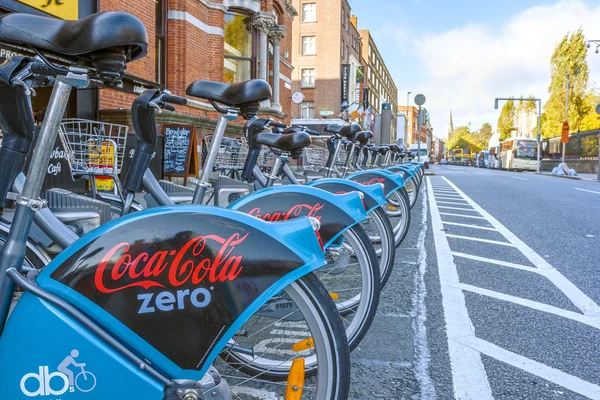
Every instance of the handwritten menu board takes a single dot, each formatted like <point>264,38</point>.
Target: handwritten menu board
<point>180,158</point>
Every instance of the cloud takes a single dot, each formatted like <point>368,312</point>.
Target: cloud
<point>468,67</point>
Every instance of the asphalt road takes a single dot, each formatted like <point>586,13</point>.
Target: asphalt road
<point>495,293</point>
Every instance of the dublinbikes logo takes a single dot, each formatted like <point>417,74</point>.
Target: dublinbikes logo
<point>195,262</point>
<point>70,376</point>
<point>294,212</point>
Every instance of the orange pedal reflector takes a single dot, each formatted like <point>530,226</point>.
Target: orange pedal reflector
<point>295,380</point>
<point>305,344</point>
<point>334,295</point>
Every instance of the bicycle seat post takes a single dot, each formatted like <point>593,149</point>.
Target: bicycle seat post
<point>209,162</point>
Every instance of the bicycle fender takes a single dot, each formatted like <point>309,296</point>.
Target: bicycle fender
<point>373,195</point>
<point>391,182</point>
<point>176,283</point>
<point>336,213</point>
<point>405,172</point>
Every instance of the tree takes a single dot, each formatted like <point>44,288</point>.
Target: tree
<point>506,121</point>
<point>463,138</point>
<point>591,120</point>
<point>484,135</point>
<point>526,116</point>
<point>568,58</point>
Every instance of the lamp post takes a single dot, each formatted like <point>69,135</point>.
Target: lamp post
<point>539,135</point>
<point>406,121</point>
<point>564,145</point>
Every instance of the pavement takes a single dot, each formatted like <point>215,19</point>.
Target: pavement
<point>495,293</point>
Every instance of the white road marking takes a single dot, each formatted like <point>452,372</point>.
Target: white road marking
<point>577,297</point>
<point>517,177</point>
<point>462,215</point>
<point>481,240</point>
<point>469,226</point>
<point>447,196</point>
<point>457,208</point>
<point>256,393</point>
<point>419,314</point>
<point>497,262</point>
<point>453,202</point>
<point>536,305</point>
<point>468,374</point>
<point>565,380</point>
<point>585,190</point>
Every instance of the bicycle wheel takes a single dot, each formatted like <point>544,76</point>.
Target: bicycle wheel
<point>412,188</point>
<point>398,211</point>
<point>308,327</point>
<point>381,233</point>
<point>352,278</point>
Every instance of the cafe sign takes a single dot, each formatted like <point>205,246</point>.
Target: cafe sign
<point>63,9</point>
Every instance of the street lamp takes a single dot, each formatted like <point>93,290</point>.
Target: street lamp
<point>596,43</point>
<point>539,135</point>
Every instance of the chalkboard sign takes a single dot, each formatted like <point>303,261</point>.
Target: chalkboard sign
<point>180,156</point>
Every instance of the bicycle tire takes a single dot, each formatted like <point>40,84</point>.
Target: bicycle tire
<point>399,218</point>
<point>387,253</point>
<point>310,294</point>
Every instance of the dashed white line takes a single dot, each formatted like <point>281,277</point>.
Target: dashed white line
<point>453,202</point>
<point>457,208</point>
<point>468,374</point>
<point>584,319</point>
<point>497,262</point>
<point>469,226</point>
<point>517,177</point>
<point>585,190</point>
<point>577,297</point>
<point>565,380</point>
<point>462,215</point>
<point>481,240</point>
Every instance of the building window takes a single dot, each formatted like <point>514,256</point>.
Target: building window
<point>308,109</point>
<point>309,45</point>
<point>309,12</point>
<point>238,39</point>
<point>161,48</point>
<point>308,78</point>
<point>347,22</point>
<point>343,48</point>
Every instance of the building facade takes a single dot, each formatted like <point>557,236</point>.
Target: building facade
<point>382,92</point>
<point>219,40</point>
<point>326,56</point>
<point>412,115</point>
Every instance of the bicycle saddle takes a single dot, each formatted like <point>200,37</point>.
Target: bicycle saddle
<point>394,148</point>
<point>383,150</point>
<point>287,142</point>
<point>101,31</point>
<point>236,95</point>
<point>348,131</point>
<point>363,136</point>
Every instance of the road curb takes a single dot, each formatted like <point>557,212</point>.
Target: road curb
<point>577,178</point>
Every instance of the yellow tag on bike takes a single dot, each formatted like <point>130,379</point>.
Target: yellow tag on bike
<point>302,345</point>
<point>295,380</point>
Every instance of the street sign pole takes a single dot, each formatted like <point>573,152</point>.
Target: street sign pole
<point>564,144</point>
<point>419,100</point>
<point>539,137</point>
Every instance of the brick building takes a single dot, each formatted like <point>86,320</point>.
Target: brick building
<point>326,53</point>
<point>413,131</point>
<point>219,40</point>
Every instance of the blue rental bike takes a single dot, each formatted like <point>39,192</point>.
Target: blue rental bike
<point>149,305</point>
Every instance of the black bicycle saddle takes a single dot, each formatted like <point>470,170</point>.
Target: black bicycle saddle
<point>286,142</point>
<point>236,95</point>
<point>383,150</point>
<point>364,136</point>
<point>101,31</point>
<point>348,131</point>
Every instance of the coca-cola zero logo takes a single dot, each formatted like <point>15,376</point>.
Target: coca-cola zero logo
<point>181,266</point>
<point>295,211</point>
<point>373,181</point>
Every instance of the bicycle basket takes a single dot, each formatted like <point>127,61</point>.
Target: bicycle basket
<point>93,147</point>
<point>316,156</point>
<point>231,155</point>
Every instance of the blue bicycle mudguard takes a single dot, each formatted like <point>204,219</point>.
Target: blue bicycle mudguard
<point>404,171</point>
<point>391,182</point>
<point>39,337</point>
<point>336,213</point>
<point>373,195</point>
<point>174,284</point>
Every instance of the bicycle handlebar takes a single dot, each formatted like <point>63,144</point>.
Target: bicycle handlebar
<point>169,98</point>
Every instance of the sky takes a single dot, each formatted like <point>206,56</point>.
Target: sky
<point>462,54</point>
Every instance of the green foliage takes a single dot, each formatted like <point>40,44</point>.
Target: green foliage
<point>506,120</point>
<point>462,139</point>
<point>568,58</point>
<point>483,136</point>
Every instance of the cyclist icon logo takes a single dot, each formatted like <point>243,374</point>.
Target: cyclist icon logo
<point>84,381</point>
<point>61,381</point>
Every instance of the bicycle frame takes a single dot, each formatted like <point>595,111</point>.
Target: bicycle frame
<point>84,300</point>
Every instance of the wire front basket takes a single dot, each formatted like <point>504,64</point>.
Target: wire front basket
<point>233,152</point>
<point>316,156</point>
<point>92,147</point>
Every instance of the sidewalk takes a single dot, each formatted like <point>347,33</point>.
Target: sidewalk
<point>581,177</point>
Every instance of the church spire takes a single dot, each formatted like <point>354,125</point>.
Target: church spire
<point>450,125</point>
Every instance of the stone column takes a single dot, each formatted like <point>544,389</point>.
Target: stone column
<point>263,22</point>
<point>276,34</point>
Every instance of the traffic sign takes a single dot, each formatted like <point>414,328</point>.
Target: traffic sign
<point>419,99</point>
<point>565,132</point>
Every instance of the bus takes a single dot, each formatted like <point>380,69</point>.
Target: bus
<point>519,154</point>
